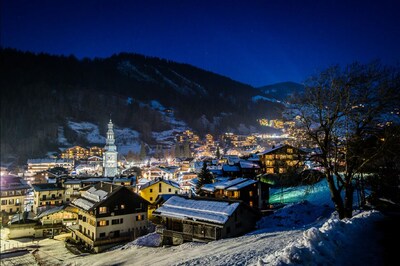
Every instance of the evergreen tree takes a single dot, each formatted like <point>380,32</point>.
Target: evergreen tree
<point>218,153</point>
<point>204,177</point>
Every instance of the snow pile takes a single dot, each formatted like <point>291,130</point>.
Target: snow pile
<point>326,245</point>
<point>294,216</point>
<point>149,240</point>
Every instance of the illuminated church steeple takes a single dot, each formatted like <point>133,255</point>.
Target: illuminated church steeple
<point>110,163</point>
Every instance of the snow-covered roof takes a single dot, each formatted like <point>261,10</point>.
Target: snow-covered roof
<point>230,183</point>
<point>248,164</point>
<point>48,160</point>
<point>230,168</point>
<point>95,195</point>
<point>50,211</point>
<point>203,210</point>
<point>83,203</point>
<point>271,150</point>
<point>242,185</point>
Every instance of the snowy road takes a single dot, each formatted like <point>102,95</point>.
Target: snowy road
<point>243,250</point>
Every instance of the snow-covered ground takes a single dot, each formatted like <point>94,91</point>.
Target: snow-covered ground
<point>298,234</point>
<point>306,232</point>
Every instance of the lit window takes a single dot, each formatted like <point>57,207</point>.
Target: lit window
<point>103,223</point>
<point>251,193</point>
<point>122,206</point>
<point>102,210</point>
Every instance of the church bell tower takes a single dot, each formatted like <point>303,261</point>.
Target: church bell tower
<point>110,163</point>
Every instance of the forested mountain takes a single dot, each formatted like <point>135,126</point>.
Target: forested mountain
<point>41,92</point>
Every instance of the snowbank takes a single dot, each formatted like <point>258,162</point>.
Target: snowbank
<point>149,240</point>
<point>293,216</point>
<point>327,245</point>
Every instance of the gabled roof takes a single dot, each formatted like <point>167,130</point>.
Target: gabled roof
<point>241,185</point>
<point>96,195</point>
<point>230,185</point>
<point>12,182</point>
<point>24,217</point>
<point>157,180</point>
<point>272,150</point>
<point>248,164</point>
<point>214,211</point>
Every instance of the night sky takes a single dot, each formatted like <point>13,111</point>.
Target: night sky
<point>255,42</point>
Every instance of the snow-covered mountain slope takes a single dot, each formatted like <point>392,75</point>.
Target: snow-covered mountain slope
<point>126,139</point>
<point>167,137</point>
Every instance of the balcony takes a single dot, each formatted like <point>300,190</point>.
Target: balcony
<point>102,241</point>
<point>175,234</point>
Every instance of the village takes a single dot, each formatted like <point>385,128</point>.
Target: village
<point>97,201</point>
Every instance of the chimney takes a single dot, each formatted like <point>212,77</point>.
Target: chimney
<point>111,188</point>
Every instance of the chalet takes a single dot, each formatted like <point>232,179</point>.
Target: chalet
<point>108,215</point>
<point>75,153</point>
<point>252,192</point>
<point>152,189</point>
<point>202,219</point>
<point>280,159</point>
<point>13,191</point>
<point>47,195</point>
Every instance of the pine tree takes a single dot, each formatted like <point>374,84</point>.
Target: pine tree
<point>218,153</point>
<point>204,177</point>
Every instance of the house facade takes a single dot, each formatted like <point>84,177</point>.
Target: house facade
<point>279,159</point>
<point>13,190</point>
<point>160,186</point>
<point>203,219</point>
<point>47,195</point>
<point>251,192</point>
<point>107,215</point>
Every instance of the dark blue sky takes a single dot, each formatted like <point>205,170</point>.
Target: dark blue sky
<point>255,42</point>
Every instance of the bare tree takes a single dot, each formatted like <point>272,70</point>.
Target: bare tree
<point>339,110</point>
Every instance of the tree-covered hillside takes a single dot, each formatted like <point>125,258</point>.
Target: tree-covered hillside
<point>40,92</point>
